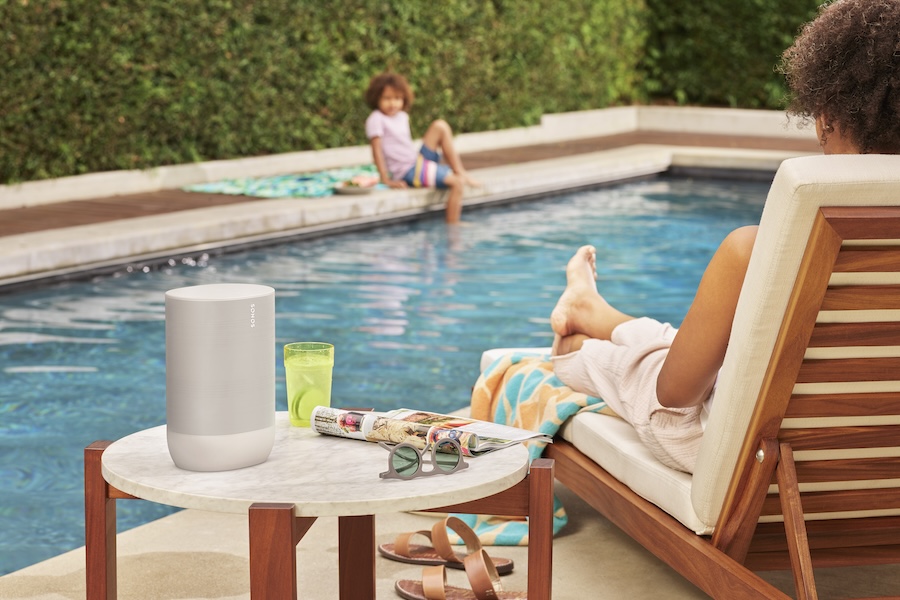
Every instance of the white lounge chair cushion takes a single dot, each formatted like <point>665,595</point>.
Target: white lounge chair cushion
<point>614,445</point>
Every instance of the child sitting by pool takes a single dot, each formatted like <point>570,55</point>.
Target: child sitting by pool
<point>395,155</point>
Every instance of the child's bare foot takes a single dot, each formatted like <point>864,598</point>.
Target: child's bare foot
<point>580,293</point>
<point>469,181</point>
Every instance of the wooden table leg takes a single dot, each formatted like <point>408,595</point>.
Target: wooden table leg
<point>540,529</point>
<point>531,497</point>
<point>99,527</point>
<point>356,557</point>
<point>274,534</point>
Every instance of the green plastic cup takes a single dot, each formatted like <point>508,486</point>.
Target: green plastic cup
<point>307,371</point>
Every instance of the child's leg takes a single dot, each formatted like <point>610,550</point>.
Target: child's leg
<point>439,136</point>
<point>454,198</point>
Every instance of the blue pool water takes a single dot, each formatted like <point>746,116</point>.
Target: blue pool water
<point>409,308</point>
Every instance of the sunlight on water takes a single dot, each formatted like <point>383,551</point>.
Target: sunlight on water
<point>408,307</point>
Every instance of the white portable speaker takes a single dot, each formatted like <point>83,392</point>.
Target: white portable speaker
<point>220,375</point>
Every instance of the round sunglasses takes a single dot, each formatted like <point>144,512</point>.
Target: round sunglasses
<point>406,461</point>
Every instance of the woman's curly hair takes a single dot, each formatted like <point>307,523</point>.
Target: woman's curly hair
<point>388,79</point>
<point>845,66</point>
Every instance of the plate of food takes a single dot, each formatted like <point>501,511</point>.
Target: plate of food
<point>361,184</point>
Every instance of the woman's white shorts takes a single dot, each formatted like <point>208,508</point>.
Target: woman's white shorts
<point>623,372</point>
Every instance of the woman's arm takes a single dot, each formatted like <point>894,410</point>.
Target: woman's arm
<point>697,352</point>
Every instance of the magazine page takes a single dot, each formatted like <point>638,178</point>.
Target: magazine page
<point>474,436</point>
<point>419,428</point>
<point>369,426</point>
<point>386,428</point>
<point>343,423</point>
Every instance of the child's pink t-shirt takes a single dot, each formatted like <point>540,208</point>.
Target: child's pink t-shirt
<point>396,141</point>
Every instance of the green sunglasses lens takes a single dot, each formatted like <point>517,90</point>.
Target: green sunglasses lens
<point>447,456</point>
<point>405,460</point>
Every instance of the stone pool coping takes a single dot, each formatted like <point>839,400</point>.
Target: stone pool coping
<point>60,252</point>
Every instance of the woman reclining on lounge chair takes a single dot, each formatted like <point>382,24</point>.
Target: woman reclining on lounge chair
<point>843,71</point>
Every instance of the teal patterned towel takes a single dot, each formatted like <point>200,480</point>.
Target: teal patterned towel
<point>304,185</point>
<point>521,390</point>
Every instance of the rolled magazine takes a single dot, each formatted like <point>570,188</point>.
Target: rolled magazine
<point>419,428</point>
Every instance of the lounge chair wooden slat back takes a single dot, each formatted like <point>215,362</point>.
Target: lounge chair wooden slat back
<point>769,546</point>
<point>868,259</point>
<point>864,297</point>
<point>849,369</point>
<point>824,502</point>
<point>848,470</point>
<point>737,522</point>
<point>842,438</point>
<point>845,440</point>
<point>843,405</point>
<point>872,532</point>
<point>855,334</point>
<point>874,223</point>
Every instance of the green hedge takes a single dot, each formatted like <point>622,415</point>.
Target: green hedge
<point>96,85</point>
<point>721,52</point>
<point>91,85</point>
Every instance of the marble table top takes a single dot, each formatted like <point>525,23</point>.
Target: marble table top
<point>321,475</point>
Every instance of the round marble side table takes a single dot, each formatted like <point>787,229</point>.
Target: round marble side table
<point>306,476</point>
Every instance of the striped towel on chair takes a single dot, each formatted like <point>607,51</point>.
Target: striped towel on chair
<point>521,390</point>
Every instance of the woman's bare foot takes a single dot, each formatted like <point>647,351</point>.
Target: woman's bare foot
<point>581,310</point>
<point>581,276</point>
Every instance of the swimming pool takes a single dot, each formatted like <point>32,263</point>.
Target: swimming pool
<point>409,307</point>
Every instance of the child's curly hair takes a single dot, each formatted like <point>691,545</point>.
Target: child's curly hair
<point>845,66</point>
<point>383,80</point>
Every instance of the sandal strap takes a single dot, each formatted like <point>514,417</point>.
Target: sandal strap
<point>441,541</point>
<point>401,542</point>
<point>434,579</point>
<point>483,577</point>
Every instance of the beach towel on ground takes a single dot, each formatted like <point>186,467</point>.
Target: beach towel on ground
<point>521,390</point>
<point>305,185</point>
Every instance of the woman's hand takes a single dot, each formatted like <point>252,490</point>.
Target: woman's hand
<point>394,183</point>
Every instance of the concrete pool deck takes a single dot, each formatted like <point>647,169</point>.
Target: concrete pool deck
<point>96,221</point>
<point>194,554</point>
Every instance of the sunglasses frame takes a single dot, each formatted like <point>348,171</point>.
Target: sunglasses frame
<point>392,473</point>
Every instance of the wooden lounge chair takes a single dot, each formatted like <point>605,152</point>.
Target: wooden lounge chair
<point>800,461</point>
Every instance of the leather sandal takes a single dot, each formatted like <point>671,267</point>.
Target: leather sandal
<point>483,579</point>
<point>440,553</point>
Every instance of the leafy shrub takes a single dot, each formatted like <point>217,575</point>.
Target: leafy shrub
<point>721,52</point>
<point>95,85</point>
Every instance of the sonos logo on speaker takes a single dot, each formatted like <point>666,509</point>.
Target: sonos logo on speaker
<point>252,315</point>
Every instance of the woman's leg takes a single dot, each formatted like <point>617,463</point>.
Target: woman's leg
<point>439,136</point>
<point>581,312</point>
<point>697,352</point>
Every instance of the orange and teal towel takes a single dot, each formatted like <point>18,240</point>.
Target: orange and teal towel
<point>521,390</point>
<point>304,185</point>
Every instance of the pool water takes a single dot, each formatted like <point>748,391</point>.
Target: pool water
<point>409,308</point>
